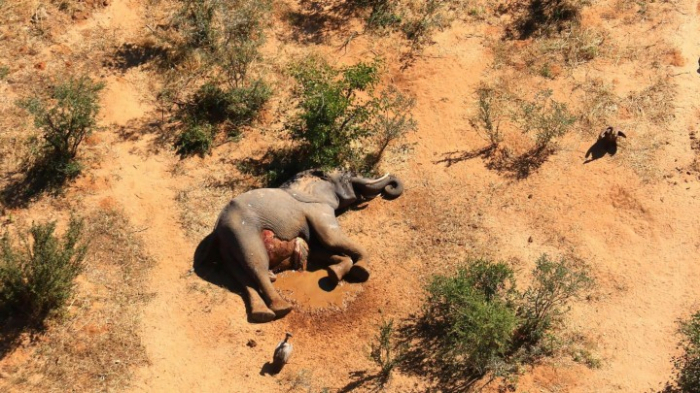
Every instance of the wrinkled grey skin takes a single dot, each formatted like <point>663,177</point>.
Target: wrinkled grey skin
<point>305,207</point>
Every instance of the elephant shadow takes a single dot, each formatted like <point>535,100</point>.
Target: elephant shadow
<point>208,265</point>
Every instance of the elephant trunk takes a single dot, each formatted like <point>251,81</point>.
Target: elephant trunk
<point>388,185</point>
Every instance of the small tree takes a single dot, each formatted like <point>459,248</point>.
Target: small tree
<point>38,278</point>
<point>545,302</point>
<point>488,118</point>
<point>385,352</point>
<point>477,323</point>
<point>549,119</point>
<point>224,39</point>
<point>66,120</point>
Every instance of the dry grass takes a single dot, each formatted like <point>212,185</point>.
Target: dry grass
<point>653,103</point>
<point>599,105</point>
<point>201,203</point>
<point>548,56</point>
<point>95,347</point>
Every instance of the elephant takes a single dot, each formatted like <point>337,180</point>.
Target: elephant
<point>270,229</point>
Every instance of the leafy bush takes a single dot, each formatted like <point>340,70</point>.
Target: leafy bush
<point>243,29</point>
<point>238,105</point>
<point>471,310</point>
<point>334,120</point>
<point>687,365</point>
<point>385,352</point>
<point>196,22</point>
<point>476,322</point>
<point>417,20</point>
<point>66,119</point>
<point>196,139</point>
<point>37,278</point>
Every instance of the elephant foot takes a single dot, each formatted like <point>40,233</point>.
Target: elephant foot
<point>339,270</point>
<point>280,307</point>
<point>359,272</point>
<point>262,316</point>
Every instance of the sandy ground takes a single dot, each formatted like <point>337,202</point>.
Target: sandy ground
<point>639,233</point>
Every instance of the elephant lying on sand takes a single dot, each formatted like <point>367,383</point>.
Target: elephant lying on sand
<point>269,228</point>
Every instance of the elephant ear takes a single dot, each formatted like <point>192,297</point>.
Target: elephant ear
<point>303,185</point>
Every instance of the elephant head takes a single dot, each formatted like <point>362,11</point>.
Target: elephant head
<point>340,189</point>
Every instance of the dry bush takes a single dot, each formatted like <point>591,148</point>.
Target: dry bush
<point>601,106</point>
<point>212,78</point>
<point>545,56</point>
<point>417,20</point>
<point>96,347</point>
<point>653,103</point>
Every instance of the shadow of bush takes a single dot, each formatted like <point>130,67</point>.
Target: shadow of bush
<point>48,175</point>
<point>515,167</point>
<point>129,56</point>
<point>276,166</point>
<point>424,338</point>
<point>543,17</point>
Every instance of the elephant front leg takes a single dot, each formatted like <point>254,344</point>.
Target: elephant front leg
<point>341,252</point>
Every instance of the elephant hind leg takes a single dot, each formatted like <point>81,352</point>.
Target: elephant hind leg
<point>255,258</point>
<point>258,312</point>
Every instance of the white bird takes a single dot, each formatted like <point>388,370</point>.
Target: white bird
<point>283,352</point>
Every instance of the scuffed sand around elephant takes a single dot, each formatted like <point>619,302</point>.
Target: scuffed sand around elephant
<point>313,291</point>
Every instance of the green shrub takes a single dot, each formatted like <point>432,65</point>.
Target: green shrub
<point>243,27</point>
<point>688,364</point>
<point>416,20</point>
<point>473,315</point>
<point>37,278</point>
<point>477,322</point>
<point>335,125</point>
<point>383,14</point>
<point>245,103</point>
<point>66,119</point>
<point>196,139</point>
<point>4,72</point>
<point>196,22</point>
